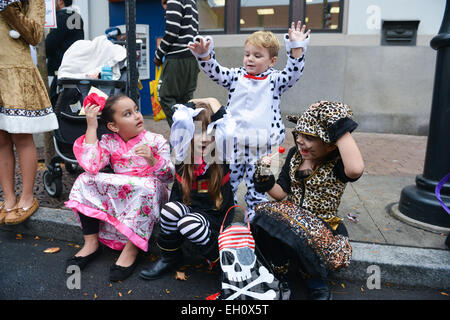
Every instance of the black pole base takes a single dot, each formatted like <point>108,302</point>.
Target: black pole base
<point>422,205</point>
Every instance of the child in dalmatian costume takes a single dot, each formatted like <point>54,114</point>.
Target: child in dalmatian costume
<point>254,98</point>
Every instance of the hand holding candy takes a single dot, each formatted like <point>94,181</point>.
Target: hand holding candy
<point>267,160</point>
<point>281,149</point>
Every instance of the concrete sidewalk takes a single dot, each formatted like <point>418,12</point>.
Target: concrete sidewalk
<point>405,254</point>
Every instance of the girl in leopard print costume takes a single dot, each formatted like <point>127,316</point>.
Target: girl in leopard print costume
<point>313,179</point>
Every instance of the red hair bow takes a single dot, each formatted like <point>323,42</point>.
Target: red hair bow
<point>94,98</point>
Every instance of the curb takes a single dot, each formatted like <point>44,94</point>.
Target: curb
<point>399,265</point>
<point>51,223</point>
<point>395,212</point>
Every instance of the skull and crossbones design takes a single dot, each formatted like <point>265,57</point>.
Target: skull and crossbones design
<point>238,264</point>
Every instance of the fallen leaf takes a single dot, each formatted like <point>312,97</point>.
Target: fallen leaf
<point>110,285</point>
<point>52,250</point>
<point>362,289</point>
<point>35,245</point>
<point>19,236</point>
<point>37,238</point>
<point>167,291</point>
<point>180,276</point>
<point>120,294</point>
<point>77,246</point>
<point>343,285</point>
<point>130,291</point>
<point>388,284</point>
<point>444,293</point>
<point>95,296</point>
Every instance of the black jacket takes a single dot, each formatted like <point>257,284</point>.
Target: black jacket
<point>202,202</point>
<point>69,29</point>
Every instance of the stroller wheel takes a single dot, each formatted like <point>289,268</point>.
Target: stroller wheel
<point>53,186</point>
<point>71,168</point>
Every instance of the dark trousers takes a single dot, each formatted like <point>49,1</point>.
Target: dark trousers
<point>178,83</point>
<point>89,225</point>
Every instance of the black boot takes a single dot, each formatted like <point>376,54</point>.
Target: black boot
<point>280,272</point>
<point>211,252</point>
<point>171,258</point>
<point>318,289</point>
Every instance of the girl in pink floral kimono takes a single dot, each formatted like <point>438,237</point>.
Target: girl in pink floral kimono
<point>119,209</point>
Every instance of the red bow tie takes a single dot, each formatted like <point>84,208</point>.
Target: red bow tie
<point>199,169</point>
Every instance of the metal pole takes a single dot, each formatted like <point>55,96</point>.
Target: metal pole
<point>419,201</point>
<point>130,20</point>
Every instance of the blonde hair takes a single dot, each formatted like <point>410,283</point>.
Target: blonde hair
<point>265,39</point>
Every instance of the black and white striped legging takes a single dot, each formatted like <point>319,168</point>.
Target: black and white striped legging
<point>175,216</point>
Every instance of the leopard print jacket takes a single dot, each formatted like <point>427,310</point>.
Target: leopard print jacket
<point>319,193</point>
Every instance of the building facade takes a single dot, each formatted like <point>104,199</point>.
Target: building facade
<point>371,54</point>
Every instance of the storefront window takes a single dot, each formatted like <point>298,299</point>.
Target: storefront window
<point>244,16</point>
<point>264,14</point>
<point>323,14</point>
<point>211,15</point>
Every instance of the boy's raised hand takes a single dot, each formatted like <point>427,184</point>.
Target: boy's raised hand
<point>200,47</point>
<point>298,33</point>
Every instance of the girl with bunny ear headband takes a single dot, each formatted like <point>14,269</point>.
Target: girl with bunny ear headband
<point>200,197</point>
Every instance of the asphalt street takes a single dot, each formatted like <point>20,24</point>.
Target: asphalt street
<point>27,272</point>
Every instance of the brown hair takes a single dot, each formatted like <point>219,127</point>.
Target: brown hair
<point>107,114</point>
<point>216,174</point>
<point>265,39</point>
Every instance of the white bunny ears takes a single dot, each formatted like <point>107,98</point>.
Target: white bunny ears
<point>182,130</point>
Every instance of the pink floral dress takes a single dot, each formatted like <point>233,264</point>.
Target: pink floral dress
<point>128,202</point>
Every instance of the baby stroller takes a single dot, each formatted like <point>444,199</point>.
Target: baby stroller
<point>71,94</point>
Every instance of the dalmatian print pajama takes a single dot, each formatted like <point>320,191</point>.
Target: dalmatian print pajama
<point>254,104</point>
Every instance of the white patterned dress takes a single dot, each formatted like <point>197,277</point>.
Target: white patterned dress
<point>127,202</point>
